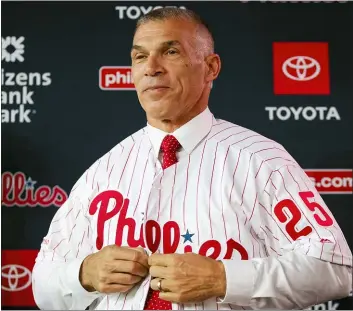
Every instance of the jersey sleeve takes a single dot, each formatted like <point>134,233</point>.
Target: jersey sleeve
<point>291,215</point>
<point>306,258</point>
<point>68,242</point>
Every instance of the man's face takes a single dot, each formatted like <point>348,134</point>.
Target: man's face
<point>168,67</point>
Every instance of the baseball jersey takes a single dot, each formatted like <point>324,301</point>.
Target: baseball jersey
<point>234,195</point>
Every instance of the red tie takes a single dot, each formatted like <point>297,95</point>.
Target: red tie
<point>169,146</point>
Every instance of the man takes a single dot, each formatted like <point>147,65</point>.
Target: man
<point>191,211</point>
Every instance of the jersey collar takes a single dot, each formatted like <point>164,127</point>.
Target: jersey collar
<point>189,135</point>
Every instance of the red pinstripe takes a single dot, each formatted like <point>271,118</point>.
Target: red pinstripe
<point>72,231</point>
<point>160,194</point>
<point>78,214</point>
<point>143,177</point>
<point>231,190</point>
<point>69,212</point>
<point>275,222</point>
<point>171,199</point>
<point>109,176</point>
<point>209,198</point>
<point>127,160</point>
<point>259,169</point>
<point>322,248</point>
<point>66,254</point>
<point>271,233</point>
<point>197,195</point>
<point>219,123</point>
<point>253,207</point>
<point>133,170</point>
<point>186,189</point>
<point>124,302</point>
<point>274,250</point>
<point>244,139</point>
<point>259,141</point>
<point>252,235</point>
<point>223,131</point>
<point>117,299</point>
<point>270,149</point>
<point>54,232</point>
<point>57,247</point>
<point>110,153</point>
<point>246,180</point>
<point>221,184</point>
<point>293,177</point>
<point>94,176</point>
<point>339,246</point>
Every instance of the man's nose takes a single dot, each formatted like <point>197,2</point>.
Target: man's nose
<point>153,67</point>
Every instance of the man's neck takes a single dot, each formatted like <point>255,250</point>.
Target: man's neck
<point>171,125</point>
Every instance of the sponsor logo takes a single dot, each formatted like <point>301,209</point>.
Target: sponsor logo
<point>307,113</point>
<point>331,181</point>
<point>134,12</point>
<point>301,68</point>
<point>17,94</point>
<point>12,49</point>
<point>19,191</point>
<point>116,78</point>
<point>16,277</point>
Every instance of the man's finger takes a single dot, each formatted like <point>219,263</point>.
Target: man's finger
<point>122,278</point>
<point>160,272</point>
<point>130,254</point>
<point>131,267</point>
<point>166,285</point>
<point>163,260</point>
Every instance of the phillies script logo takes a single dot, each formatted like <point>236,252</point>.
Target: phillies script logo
<point>118,78</point>
<point>19,191</point>
<point>153,230</point>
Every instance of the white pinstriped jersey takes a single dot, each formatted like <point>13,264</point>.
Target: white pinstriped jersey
<point>234,194</point>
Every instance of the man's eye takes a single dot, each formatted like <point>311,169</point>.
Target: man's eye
<point>172,52</point>
<point>140,56</point>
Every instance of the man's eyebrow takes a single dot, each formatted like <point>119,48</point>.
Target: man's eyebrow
<point>169,43</point>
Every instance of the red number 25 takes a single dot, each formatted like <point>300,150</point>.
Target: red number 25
<point>322,218</point>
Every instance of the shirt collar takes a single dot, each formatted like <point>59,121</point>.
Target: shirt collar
<point>189,135</point>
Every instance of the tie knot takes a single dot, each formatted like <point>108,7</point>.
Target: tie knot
<point>170,144</point>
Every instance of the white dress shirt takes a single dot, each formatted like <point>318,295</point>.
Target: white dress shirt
<point>234,195</point>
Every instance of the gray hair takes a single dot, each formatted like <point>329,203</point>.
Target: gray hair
<point>165,13</point>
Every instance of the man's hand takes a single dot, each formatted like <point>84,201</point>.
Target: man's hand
<point>187,277</point>
<point>114,269</point>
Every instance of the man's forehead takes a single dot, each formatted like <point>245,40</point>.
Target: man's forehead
<point>164,31</point>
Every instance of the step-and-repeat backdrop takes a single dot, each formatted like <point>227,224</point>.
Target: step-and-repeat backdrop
<point>67,97</point>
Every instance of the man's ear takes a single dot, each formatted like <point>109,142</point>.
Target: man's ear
<point>213,63</point>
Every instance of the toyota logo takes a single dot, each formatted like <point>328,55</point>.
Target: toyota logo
<point>18,277</point>
<point>301,68</point>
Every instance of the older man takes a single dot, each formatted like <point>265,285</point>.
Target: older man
<point>191,211</point>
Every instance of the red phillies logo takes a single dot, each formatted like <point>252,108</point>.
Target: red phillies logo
<point>19,191</point>
<point>116,78</point>
<point>152,229</point>
<point>301,68</point>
